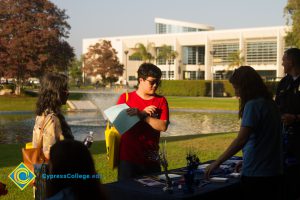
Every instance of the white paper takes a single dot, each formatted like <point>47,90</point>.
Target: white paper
<point>218,179</point>
<point>118,116</point>
<point>171,176</point>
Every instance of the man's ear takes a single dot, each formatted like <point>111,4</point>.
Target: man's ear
<point>139,80</point>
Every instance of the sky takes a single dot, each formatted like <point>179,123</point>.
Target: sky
<point>110,18</point>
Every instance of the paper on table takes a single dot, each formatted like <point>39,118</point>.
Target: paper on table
<point>171,176</point>
<point>118,116</point>
<point>218,179</point>
<point>149,182</point>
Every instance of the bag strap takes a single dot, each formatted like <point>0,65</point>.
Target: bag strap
<point>127,96</point>
<point>108,125</point>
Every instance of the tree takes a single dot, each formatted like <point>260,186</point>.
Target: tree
<point>292,13</point>
<point>101,59</point>
<point>75,71</point>
<point>32,36</point>
<point>236,59</point>
<point>143,52</point>
<point>168,54</point>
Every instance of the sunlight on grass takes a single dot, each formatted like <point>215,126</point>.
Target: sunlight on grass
<point>207,147</point>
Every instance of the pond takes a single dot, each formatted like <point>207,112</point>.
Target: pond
<point>16,127</point>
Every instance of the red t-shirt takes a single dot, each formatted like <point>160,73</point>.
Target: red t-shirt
<point>141,143</point>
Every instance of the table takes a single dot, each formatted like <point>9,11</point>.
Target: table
<point>133,190</point>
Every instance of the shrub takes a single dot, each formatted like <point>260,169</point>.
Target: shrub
<point>195,88</point>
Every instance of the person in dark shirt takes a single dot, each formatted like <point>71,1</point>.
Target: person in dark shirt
<point>288,101</point>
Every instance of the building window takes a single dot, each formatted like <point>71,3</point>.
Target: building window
<point>135,58</point>
<point>132,78</point>
<point>162,61</point>
<point>222,50</point>
<point>193,55</point>
<point>163,75</point>
<point>261,52</point>
<point>169,28</point>
<point>267,74</point>
<point>171,74</point>
<point>161,28</point>
<point>189,75</point>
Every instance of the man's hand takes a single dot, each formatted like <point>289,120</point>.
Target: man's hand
<point>135,111</point>
<point>287,119</point>
<point>238,167</point>
<point>210,168</point>
<point>150,110</point>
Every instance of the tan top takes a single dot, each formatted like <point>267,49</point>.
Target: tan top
<point>51,133</point>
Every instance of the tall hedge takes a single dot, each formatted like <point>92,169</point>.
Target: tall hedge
<point>222,88</point>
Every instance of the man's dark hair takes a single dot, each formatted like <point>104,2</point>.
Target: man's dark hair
<point>293,54</point>
<point>149,70</point>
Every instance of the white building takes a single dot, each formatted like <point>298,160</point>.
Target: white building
<point>202,50</point>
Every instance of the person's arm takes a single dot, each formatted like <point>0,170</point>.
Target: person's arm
<point>236,145</point>
<point>288,119</point>
<point>157,124</point>
<point>146,115</point>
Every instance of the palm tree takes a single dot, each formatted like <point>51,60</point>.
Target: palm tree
<point>236,59</point>
<point>143,52</point>
<point>168,54</point>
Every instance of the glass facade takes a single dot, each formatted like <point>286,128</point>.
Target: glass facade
<point>167,28</point>
<point>189,75</point>
<point>261,52</point>
<point>267,74</point>
<point>161,61</point>
<point>163,75</point>
<point>171,75</point>
<point>193,55</point>
<point>222,51</point>
<point>132,78</point>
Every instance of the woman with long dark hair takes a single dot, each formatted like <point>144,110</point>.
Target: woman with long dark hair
<point>76,177</point>
<point>259,137</point>
<point>50,122</point>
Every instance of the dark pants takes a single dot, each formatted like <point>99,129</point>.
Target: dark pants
<point>127,170</point>
<point>292,182</point>
<point>262,187</point>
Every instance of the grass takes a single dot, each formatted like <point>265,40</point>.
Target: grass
<point>17,103</point>
<point>204,103</point>
<point>207,147</point>
<point>27,103</point>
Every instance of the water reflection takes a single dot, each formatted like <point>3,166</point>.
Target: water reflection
<point>17,128</point>
<point>185,123</point>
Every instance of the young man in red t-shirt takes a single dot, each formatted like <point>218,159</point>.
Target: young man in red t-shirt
<point>140,145</point>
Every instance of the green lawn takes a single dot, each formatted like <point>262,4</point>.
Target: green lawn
<point>204,103</point>
<point>207,147</point>
<point>14,103</point>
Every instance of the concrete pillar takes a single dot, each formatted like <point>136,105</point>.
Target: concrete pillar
<point>280,52</point>
<point>208,60</point>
